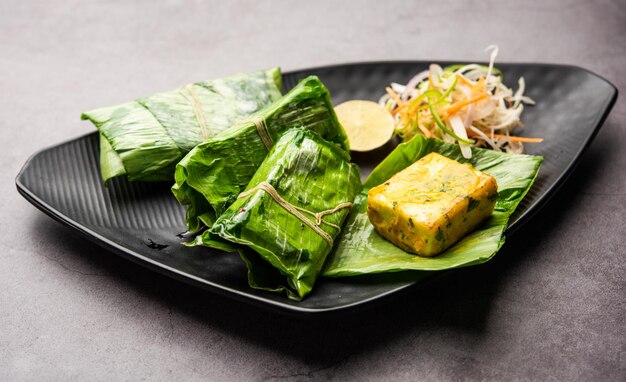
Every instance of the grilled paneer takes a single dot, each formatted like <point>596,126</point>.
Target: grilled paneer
<point>431,204</point>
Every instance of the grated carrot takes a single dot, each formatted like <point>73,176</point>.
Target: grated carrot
<point>459,105</point>
<point>510,137</point>
<point>425,131</point>
<point>465,80</point>
<point>394,96</point>
<point>481,86</point>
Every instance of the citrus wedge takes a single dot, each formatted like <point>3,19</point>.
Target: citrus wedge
<point>367,124</point>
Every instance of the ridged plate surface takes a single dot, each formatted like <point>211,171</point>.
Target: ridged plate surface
<point>141,221</point>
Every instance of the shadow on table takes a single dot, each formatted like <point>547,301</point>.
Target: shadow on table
<point>460,301</point>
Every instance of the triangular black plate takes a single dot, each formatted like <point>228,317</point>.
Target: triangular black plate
<point>140,221</point>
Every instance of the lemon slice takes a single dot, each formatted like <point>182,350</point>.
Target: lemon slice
<point>368,125</point>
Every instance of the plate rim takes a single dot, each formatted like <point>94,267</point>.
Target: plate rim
<point>279,306</point>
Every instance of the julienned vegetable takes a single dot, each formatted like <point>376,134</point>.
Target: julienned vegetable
<point>464,104</point>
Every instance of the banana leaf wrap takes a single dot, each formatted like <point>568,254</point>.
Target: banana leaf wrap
<point>361,250</point>
<point>303,175</point>
<point>145,138</point>
<point>210,177</point>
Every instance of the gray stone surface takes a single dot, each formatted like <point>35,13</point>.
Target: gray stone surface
<point>551,306</point>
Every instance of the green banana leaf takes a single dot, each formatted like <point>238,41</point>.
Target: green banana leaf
<point>145,138</point>
<point>209,177</point>
<point>361,250</point>
<point>312,175</point>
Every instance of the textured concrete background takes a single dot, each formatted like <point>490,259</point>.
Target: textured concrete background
<point>551,306</point>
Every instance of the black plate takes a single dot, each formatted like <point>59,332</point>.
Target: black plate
<point>140,221</point>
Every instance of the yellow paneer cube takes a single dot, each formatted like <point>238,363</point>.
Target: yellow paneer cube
<point>431,204</point>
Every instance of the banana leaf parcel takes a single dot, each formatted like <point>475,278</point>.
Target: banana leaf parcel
<point>361,250</point>
<point>145,138</point>
<point>209,178</point>
<point>293,209</point>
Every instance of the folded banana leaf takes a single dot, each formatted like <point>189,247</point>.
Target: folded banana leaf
<point>210,177</point>
<point>292,210</point>
<point>361,250</point>
<point>145,138</point>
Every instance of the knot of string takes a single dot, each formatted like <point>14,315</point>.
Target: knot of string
<point>298,211</point>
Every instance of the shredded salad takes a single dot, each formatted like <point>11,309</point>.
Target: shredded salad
<point>466,104</point>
